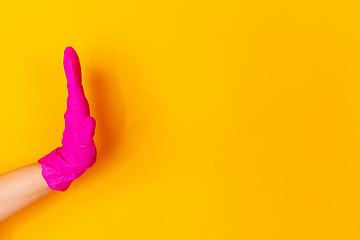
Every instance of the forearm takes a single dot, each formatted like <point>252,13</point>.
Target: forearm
<point>21,187</point>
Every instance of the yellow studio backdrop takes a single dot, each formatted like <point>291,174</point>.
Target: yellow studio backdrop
<point>215,119</point>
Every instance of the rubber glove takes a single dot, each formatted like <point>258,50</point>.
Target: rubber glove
<point>78,152</point>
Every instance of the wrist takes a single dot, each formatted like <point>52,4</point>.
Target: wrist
<point>57,172</point>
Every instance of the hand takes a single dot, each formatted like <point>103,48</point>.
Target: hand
<point>78,152</point>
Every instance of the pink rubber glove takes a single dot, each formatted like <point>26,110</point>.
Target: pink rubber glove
<point>78,152</point>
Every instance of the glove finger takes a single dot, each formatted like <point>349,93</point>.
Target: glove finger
<point>77,104</point>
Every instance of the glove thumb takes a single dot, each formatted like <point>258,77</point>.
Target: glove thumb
<point>85,148</point>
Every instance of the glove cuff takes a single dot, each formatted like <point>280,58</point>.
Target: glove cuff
<point>58,173</point>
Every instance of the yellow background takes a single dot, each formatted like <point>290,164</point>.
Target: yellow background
<point>215,119</point>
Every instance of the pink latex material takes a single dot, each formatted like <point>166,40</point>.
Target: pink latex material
<point>78,152</point>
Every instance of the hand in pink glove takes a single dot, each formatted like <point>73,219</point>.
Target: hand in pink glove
<point>78,152</point>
